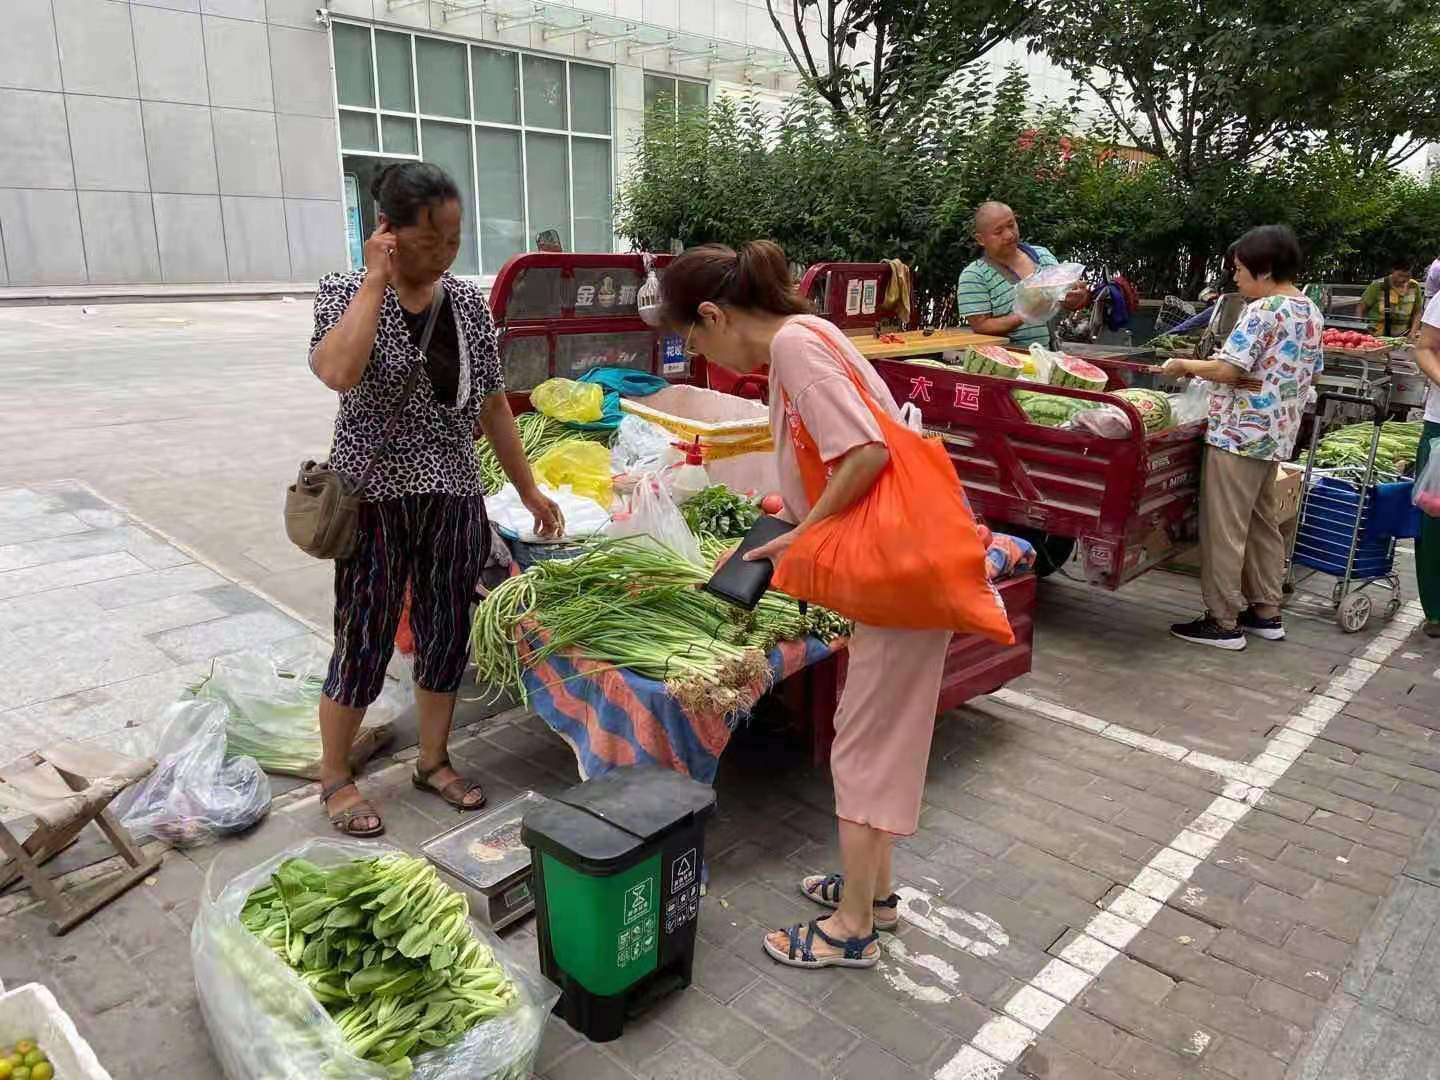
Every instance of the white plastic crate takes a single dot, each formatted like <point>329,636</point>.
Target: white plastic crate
<point>31,1012</point>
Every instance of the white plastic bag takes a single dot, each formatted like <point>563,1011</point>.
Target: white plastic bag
<point>1427,485</point>
<point>1044,361</point>
<point>1192,403</point>
<point>194,795</point>
<point>912,418</point>
<point>583,516</point>
<point>650,512</point>
<point>265,1024</point>
<point>641,446</point>
<point>1039,296</point>
<point>1107,421</point>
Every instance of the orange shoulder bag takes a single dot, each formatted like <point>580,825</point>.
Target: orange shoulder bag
<point>907,554</point>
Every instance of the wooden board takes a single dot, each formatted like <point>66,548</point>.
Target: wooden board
<point>917,344</point>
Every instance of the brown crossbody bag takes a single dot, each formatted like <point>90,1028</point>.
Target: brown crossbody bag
<point>322,507</point>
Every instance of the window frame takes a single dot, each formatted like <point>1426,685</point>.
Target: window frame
<point>675,81</point>
<point>520,129</point>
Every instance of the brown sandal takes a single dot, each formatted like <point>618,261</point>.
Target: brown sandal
<point>452,793</point>
<point>344,820</point>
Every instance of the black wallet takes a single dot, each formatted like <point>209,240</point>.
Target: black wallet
<point>743,583</point>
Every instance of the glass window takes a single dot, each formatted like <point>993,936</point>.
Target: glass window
<point>589,99</point>
<point>497,85</point>
<point>659,94</point>
<point>357,131</point>
<point>544,92</point>
<point>547,170</point>
<point>593,231</point>
<point>502,196</point>
<point>392,61</point>
<point>693,95</point>
<point>399,135</point>
<point>354,80</point>
<point>448,145</point>
<point>440,66</point>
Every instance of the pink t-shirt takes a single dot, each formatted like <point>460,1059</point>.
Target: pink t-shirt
<point>803,370</point>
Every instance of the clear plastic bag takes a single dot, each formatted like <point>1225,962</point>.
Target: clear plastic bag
<point>650,512</point>
<point>1107,421</point>
<point>567,399</point>
<point>1039,296</point>
<point>582,465</point>
<point>1427,485</point>
<point>265,1024</point>
<point>1192,403</point>
<point>194,795</point>
<point>641,446</point>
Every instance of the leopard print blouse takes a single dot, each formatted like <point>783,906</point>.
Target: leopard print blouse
<point>433,450</point>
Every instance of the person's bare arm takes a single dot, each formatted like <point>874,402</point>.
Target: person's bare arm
<point>1427,352</point>
<point>1216,371</point>
<point>498,423</point>
<point>996,325</point>
<point>344,353</point>
<point>853,476</point>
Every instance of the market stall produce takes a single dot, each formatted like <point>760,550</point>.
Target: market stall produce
<point>1349,448</point>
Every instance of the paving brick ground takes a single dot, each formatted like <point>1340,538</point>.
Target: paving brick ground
<point>1303,945</point>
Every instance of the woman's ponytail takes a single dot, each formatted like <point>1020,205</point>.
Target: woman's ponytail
<point>757,278</point>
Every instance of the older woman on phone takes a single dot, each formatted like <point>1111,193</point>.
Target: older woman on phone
<point>741,310</point>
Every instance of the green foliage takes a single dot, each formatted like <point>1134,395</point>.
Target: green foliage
<point>831,188</point>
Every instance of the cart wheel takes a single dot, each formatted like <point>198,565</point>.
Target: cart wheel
<point>1051,552</point>
<point>1353,613</point>
<point>1392,607</point>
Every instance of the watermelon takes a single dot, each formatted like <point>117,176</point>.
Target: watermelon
<point>992,360</point>
<point>1152,405</point>
<point>1051,410</point>
<point>1080,374</point>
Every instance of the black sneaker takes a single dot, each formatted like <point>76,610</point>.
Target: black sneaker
<point>1206,631</point>
<point>1269,629</point>
<point>1432,628</point>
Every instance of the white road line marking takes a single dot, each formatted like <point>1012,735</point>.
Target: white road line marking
<point>1032,1008</point>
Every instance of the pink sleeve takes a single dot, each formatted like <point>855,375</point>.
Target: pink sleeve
<point>834,413</point>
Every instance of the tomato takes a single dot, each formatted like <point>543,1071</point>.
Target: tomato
<point>772,503</point>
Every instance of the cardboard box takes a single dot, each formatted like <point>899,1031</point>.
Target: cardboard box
<point>1288,479</point>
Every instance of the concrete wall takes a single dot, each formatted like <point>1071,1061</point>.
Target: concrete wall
<point>166,141</point>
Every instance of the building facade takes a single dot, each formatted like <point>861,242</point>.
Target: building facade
<point>199,141</point>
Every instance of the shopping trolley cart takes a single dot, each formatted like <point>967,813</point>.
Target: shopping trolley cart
<point>1348,524</point>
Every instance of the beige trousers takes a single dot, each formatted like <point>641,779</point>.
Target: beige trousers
<point>1242,553</point>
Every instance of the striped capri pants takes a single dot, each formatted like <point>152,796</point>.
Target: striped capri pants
<point>437,543</point>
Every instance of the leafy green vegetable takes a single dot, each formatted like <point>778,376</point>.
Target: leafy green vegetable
<point>1349,448</point>
<point>719,512</point>
<point>386,947</point>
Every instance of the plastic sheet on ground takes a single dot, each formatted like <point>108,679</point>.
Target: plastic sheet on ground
<point>265,1024</point>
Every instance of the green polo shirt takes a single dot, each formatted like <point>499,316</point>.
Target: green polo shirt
<point>984,290</point>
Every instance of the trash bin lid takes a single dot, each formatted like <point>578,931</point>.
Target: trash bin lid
<point>576,837</point>
<point>646,801</point>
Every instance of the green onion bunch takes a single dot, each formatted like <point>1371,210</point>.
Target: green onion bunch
<point>385,946</point>
<point>538,433</point>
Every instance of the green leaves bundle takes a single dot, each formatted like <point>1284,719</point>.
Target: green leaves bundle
<point>538,433</point>
<point>386,947</point>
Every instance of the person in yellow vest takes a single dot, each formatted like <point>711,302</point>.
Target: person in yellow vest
<point>1392,304</point>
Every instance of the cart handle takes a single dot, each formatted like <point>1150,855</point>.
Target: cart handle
<point>1354,399</point>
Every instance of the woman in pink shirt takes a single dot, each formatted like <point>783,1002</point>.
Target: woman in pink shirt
<point>741,310</point>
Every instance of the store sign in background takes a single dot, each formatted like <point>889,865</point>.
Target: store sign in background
<point>353,240</point>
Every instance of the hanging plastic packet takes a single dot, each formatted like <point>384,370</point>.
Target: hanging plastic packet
<point>648,299</point>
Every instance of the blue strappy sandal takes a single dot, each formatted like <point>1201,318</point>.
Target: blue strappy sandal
<point>801,954</point>
<point>827,889</point>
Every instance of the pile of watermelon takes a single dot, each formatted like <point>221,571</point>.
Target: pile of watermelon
<point>1153,407</point>
<point>1076,373</point>
<point>1050,410</point>
<point>992,360</point>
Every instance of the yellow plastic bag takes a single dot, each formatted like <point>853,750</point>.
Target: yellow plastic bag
<point>566,399</point>
<point>582,464</point>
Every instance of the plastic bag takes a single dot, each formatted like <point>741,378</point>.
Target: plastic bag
<point>641,446</point>
<point>580,464</point>
<point>1192,403</point>
<point>265,1024</point>
<point>583,516</point>
<point>566,399</point>
<point>194,795</point>
<point>650,511</point>
<point>913,419</point>
<point>1043,362</point>
<point>1039,296</point>
<point>1107,421</point>
<point>1427,485</point>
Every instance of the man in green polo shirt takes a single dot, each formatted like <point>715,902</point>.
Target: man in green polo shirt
<point>985,296</point>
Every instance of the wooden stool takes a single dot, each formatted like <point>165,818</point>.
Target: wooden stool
<point>65,788</point>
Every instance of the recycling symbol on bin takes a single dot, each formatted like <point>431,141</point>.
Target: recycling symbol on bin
<point>637,901</point>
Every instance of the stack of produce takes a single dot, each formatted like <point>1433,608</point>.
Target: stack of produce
<point>385,946</point>
<point>25,1061</point>
<point>1349,448</point>
<point>992,360</point>
<point>1352,339</point>
<point>718,512</point>
<point>1152,405</point>
<point>1078,374</point>
<point>538,433</point>
<point>1172,343</point>
<point>631,605</point>
<point>1051,410</point>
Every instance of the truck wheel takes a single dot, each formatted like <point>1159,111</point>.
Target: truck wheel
<point>1051,552</point>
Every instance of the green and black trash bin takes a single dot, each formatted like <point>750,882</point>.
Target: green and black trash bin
<point>617,864</point>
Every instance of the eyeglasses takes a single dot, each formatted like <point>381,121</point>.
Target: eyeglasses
<point>685,350</point>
